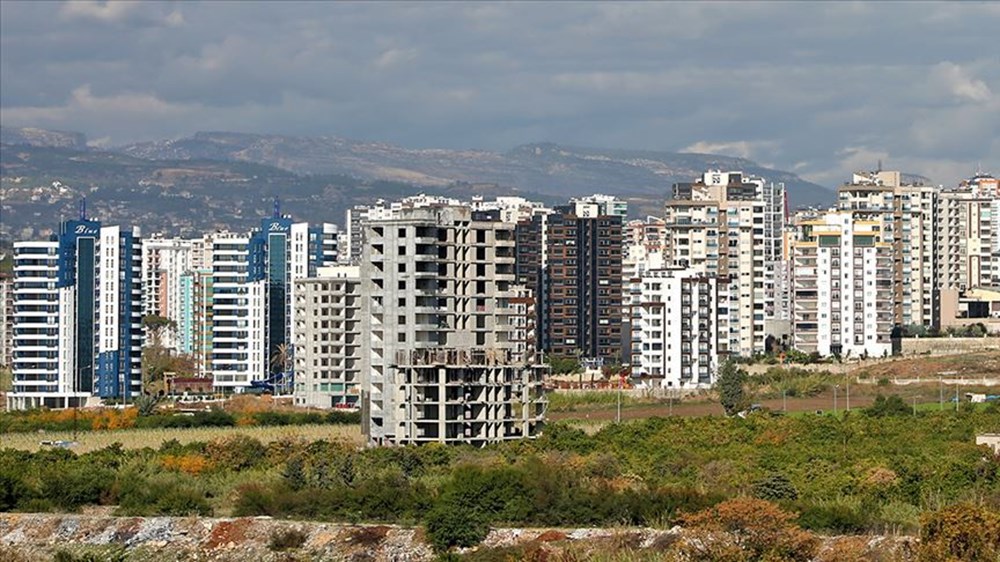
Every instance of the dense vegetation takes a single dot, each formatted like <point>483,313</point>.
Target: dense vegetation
<point>860,473</point>
<point>128,418</point>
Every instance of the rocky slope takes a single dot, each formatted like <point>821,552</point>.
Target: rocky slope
<point>37,537</point>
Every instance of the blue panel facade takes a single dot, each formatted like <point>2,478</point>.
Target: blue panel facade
<point>108,374</point>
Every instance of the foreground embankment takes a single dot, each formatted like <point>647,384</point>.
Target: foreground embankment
<point>37,537</point>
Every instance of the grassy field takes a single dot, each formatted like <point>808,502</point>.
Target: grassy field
<point>139,438</point>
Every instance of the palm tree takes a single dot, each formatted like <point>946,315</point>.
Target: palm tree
<point>281,358</point>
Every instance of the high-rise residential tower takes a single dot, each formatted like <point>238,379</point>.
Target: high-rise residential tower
<point>444,356</point>
<point>77,316</point>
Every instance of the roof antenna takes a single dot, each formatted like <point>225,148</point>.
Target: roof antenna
<point>277,207</point>
<point>83,208</point>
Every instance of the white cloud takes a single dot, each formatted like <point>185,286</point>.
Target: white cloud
<point>743,149</point>
<point>174,18</point>
<point>83,103</point>
<point>110,11</point>
<point>395,57</point>
<point>960,84</point>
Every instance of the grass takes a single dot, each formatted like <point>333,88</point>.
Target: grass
<point>139,438</point>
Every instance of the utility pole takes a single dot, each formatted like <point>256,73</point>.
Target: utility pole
<point>619,416</point>
<point>835,387</point>
<point>941,391</point>
<point>848,394</point>
<point>784,400</point>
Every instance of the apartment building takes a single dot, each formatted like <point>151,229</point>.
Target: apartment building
<point>194,327</point>
<point>164,262</point>
<point>730,226</point>
<point>6,319</point>
<point>442,360</point>
<point>77,316</point>
<point>571,259</point>
<point>253,292</point>
<point>674,338</point>
<point>907,216</point>
<point>328,338</point>
<point>844,285</point>
<point>968,248</point>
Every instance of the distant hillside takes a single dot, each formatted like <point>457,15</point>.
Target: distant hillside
<point>543,168</point>
<point>42,137</point>
<point>43,185</point>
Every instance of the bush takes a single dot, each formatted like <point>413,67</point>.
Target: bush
<point>748,529</point>
<point>775,487</point>
<point>835,517</point>
<point>70,487</point>
<point>962,532</point>
<point>162,494</point>
<point>449,525</point>
<point>891,406</point>
<point>287,539</point>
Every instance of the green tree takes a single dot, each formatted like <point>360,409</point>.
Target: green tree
<point>731,384</point>
<point>564,365</point>
<point>155,326</point>
<point>888,406</point>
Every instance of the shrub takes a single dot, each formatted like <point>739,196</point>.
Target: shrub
<point>886,407</point>
<point>835,517</point>
<point>162,494</point>
<point>70,487</point>
<point>287,539</point>
<point>961,532</point>
<point>775,487</point>
<point>448,526</point>
<point>748,529</point>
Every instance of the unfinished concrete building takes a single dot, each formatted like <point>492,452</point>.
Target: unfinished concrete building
<point>445,355</point>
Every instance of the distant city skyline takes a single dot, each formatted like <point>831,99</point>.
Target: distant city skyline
<point>816,89</point>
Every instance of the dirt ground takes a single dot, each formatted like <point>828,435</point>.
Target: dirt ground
<point>973,365</point>
<point>822,402</point>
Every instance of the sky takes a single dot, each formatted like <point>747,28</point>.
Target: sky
<point>820,89</point>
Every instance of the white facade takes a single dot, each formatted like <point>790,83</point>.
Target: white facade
<point>674,332</point>
<point>843,284</point>
<point>238,315</point>
<point>731,226</point>
<point>37,320</point>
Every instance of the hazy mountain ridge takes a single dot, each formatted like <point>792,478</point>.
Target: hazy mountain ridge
<point>540,167</point>
<point>43,185</point>
<point>42,137</point>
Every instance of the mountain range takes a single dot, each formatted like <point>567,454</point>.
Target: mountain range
<point>215,180</point>
<point>546,168</point>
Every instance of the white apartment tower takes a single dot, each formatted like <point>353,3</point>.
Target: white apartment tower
<point>843,282</point>
<point>77,316</point>
<point>730,226</point>
<point>443,356</point>
<point>907,218</point>
<point>253,292</point>
<point>674,332</point>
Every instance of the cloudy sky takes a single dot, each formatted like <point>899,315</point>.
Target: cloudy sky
<point>819,89</point>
